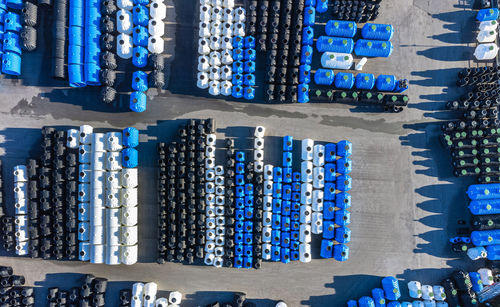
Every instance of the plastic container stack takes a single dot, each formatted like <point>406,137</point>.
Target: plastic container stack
<point>91,35</point>
<point>11,56</point>
<point>13,291</point>
<point>108,56</point>
<point>29,19</point>
<point>358,12</point>
<point>91,292</point>
<point>244,211</point>
<point>145,294</point>
<point>473,140</point>
<point>76,44</point>
<point>61,39</point>
<point>487,49</point>
<point>21,218</point>
<point>376,41</point>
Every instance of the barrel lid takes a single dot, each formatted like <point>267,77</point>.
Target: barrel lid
<point>328,73</point>
<point>336,23</point>
<point>388,80</point>
<point>318,92</point>
<point>394,98</point>
<point>477,170</point>
<point>475,161</point>
<point>380,96</point>
<point>355,95</point>
<point>346,58</point>
<point>332,56</point>
<point>492,32</point>
<point>388,28</point>
<point>369,95</point>
<point>343,94</point>
<point>373,27</point>
<point>351,25</point>
<point>491,11</point>
<point>344,42</point>
<point>330,40</point>
<point>345,77</point>
<point>369,44</point>
<point>329,93</point>
<point>490,48</point>
<point>384,45</point>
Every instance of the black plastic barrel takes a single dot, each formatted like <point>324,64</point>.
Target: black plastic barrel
<point>108,94</point>
<point>108,77</point>
<point>107,25</point>
<point>108,7</point>
<point>30,14</point>
<point>157,79</point>
<point>157,62</point>
<point>107,42</point>
<point>28,38</point>
<point>108,60</point>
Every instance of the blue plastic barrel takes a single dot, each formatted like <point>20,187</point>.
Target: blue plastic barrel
<point>391,288</point>
<point>249,67</point>
<point>394,304</point>
<point>485,206</point>
<point>341,252</point>
<point>344,80</point>
<point>130,137</point>
<point>12,22</point>
<point>324,76</point>
<point>92,35</point>
<point>484,191</point>
<point>14,4</point>
<point>303,93</point>
<point>237,91</point>
<point>344,183</point>
<point>237,79</point>
<point>309,16</point>
<point>365,81</point>
<point>75,35</point>
<point>341,28</point>
<point>343,235</point>
<point>141,2</point>
<point>386,83</point>
<point>373,48</point>
<point>326,249</point>
<point>352,303</point>
<point>140,15</point>
<point>334,44</point>
<point>330,172</point>
<point>401,86</point>
<point>308,36</point>
<point>140,36</point>
<point>477,284</point>
<point>305,73</point>
<point>378,297</point>
<point>92,53</point>
<point>238,67</point>
<point>342,217</point>
<point>485,237</point>
<point>366,301</point>
<point>344,148</point>
<point>343,200</point>
<point>140,57</point>
<point>238,262</point>
<point>382,32</point>
<point>92,17</point>
<point>75,54</point>
<point>418,304</point>
<point>248,93</point>
<point>249,42</point>
<point>11,63</point>
<point>75,75</point>
<point>249,55</point>
<point>487,14</point>
<point>76,14</point>
<point>321,6</point>
<point>493,252</point>
<point>140,81</point>
<point>249,79</point>
<point>91,73</point>
<point>238,54</point>
<point>306,55</point>
<point>3,5</point>
<point>11,43</point>
<point>2,16</point>
<point>130,158</point>
<point>328,227</point>
<point>344,165</point>
<point>238,42</point>
<point>138,102</point>
<point>285,255</point>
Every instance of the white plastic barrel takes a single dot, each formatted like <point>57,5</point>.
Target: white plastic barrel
<point>209,259</point>
<point>86,134</point>
<point>214,59</point>
<point>226,57</point>
<point>226,88</point>
<point>98,161</point>
<point>226,42</point>
<point>150,290</point>
<point>84,154</point>
<point>113,198</point>
<point>227,28</point>
<point>239,14</point>
<point>124,22</point>
<point>114,141</point>
<point>21,233</point>
<point>137,294</point>
<point>214,86</point>
<point>22,248</point>
<point>21,206</point>
<point>305,252</point>
<point>216,3</point>
<point>113,161</point>
<point>97,253</point>
<point>203,63</point>
<point>486,51</point>
<point>361,64</point>
<point>319,155</point>
<point>305,214</point>
<point>98,181</point>
<point>488,25</point>
<point>84,173</point>
<point>228,3</point>
<point>335,60</point>
<point>204,29</point>
<point>204,46</point>
<point>215,28</point>
<point>216,13</point>
<point>97,215</point>
<point>215,43</point>
<point>439,294</point>
<point>124,46</point>
<point>306,171</point>
<point>487,36</point>
<point>205,13</point>
<point>318,177</point>
<point>72,138</point>
<point>307,146</point>
<point>129,254</point>
<point>214,75</point>
<point>113,180</point>
<point>258,143</point>
<point>113,217</point>
<point>476,253</point>
<point>156,44</point>
<point>415,289</point>
<point>317,200</point>
<point>226,73</point>
<point>98,142</point>
<point>175,297</point>
<point>156,27</point>
<point>20,190</point>
<point>306,193</point>
<point>317,223</point>
<point>129,177</point>
<point>83,212</point>
<point>113,236</point>
<point>129,216</point>
<point>305,233</point>
<point>129,235</point>
<point>427,292</point>
<point>125,4</point>
<point>97,235</point>
<point>202,80</point>
<point>129,197</point>
<point>238,29</point>
<point>84,251</point>
<point>112,255</point>
<point>227,15</point>
<point>486,276</point>
<point>21,221</point>
<point>157,10</point>
<point>20,173</point>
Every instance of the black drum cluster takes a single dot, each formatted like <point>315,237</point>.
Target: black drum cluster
<point>28,35</point>
<point>12,290</point>
<point>474,139</point>
<point>60,48</point>
<point>356,10</point>
<point>277,27</point>
<point>91,293</point>
<point>108,57</point>
<point>51,203</point>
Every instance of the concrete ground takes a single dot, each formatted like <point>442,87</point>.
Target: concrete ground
<point>406,202</point>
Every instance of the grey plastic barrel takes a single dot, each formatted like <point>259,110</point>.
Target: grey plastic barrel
<point>108,77</point>
<point>108,7</point>
<point>157,79</point>
<point>107,42</point>
<point>28,38</point>
<point>30,14</point>
<point>59,69</point>
<point>157,61</point>
<point>107,25</point>
<point>108,94</point>
<point>108,60</point>
<point>60,48</point>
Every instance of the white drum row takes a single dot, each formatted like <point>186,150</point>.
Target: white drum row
<point>312,174</point>
<point>157,9</point>
<point>214,12</point>
<point>99,216</point>
<point>215,216</point>
<point>144,295</point>
<point>111,234</point>
<point>258,152</point>
<point>124,45</point>
<point>101,142</point>
<point>218,29</point>
<point>21,222</point>
<point>125,177</point>
<point>156,26</point>
<point>108,254</point>
<point>304,251</point>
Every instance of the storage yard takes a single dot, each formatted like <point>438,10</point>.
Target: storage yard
<point>204,221</point>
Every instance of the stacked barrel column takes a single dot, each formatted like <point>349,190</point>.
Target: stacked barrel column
<point>92,34</point>
<point>306,199</point>
<point>76,43</point>
<point>229,209</point>
<point>210,198</point>
<point>202,129</point>
<point>21,220</point>
<point>107,56</point>
<point>60,47</point>
<point>71,175</point>
<point>350,10</point>
<point>258,181</point>
<point>85,158</point>
<point>318,186</point>
<point>129,181</point>
<point>156,44</point>
<point>29,18</point>
<point>267,215</point>
<point>220,219</point>
<point>294,213</point>
<point>276,210</point>
<point>286,203</point>
<point>11,57</point>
